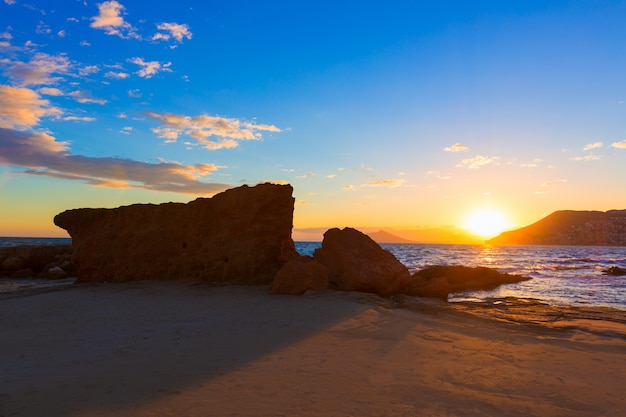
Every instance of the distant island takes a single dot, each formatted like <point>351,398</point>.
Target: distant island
<point>570,227</point>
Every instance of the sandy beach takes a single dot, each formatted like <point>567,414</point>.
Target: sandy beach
<point>177,349</point>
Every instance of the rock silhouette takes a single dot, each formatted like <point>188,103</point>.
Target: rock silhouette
<point>356,263</point>
<point>240,236</point>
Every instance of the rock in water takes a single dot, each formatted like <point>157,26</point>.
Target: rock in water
<point>240,236</point>
<point>356,263</point>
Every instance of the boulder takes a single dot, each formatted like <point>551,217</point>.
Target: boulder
<point>438,281</point>
<point>240,236</point>
<point>57,272</point>
<point>300,275</point>
<point>356,263</point>
<point>33,260</point>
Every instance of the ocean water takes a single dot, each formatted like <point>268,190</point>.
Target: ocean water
<point>561,275</point>
<point>17,241</point>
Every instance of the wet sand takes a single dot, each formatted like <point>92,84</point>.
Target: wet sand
<point>159,349</point>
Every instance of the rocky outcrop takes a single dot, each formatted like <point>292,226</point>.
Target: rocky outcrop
<point>35,261</point>
<point>356,263</point>
<point>439,281</point>
<point>240,236</point>
<point>300,275</point>
<point>615,271</point>
<point>569,227</point>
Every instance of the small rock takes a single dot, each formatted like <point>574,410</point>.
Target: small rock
<point>12,264</point>
<point>56,272</point>
<point>23,273</point>
<point>615,270</point>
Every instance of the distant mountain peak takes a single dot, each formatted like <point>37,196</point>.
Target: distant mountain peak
<point>570,227</point>
<point>385,237</point>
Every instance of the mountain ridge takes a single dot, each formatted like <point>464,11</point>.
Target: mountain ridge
<point>570,227</point>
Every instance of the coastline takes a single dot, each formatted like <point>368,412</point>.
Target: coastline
<point>153,348</point>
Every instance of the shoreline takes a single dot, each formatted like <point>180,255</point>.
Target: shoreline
<point>153,348</point>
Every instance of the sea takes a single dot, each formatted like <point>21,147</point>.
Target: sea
<point>561,275</point>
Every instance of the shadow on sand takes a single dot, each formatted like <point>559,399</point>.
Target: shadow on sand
<point>109,346</point>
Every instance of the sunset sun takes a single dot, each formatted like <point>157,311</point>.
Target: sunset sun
<point>486,222</point>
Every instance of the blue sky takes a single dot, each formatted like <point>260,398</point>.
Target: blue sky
<point>394,114</point>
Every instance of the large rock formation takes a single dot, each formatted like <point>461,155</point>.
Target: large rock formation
<point>240,236</point>
<point>569,227</point>
<point>356,263</point>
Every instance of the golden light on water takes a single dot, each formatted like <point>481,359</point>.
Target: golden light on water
<point>486,222</point>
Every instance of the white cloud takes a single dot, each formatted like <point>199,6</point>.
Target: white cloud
<point>586,158</point>
<point>85,97</point>
<point>592,146</point>
<point>79,119</point>
<point>9,2</point>
<point>349,187</point>
<point>22,107</point>
<point>534,164</point>
<point>477,161</point>
<point>172,30</point>
<point>110,20</point>
<point>150,68</point>
<point>457,147</point>
<point>43,29</point>
<point>619,145</point>
<point>544,187</point>
<point>87,70</point>
<point>203,127</point>
<point>117,75</point>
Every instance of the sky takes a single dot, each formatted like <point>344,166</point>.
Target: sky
<point>408,116</point>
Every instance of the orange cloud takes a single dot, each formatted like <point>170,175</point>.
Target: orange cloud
<point>43,155</point>
<point>39,69</point>
<point>110,20</point>
<point>619,145</point>
<point>592,146</point>
<point>22,107</point>
<point>385,183</point>
<point>477,161</point>
<point>457,147</point>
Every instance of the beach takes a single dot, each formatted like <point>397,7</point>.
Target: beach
<point>181,349</point>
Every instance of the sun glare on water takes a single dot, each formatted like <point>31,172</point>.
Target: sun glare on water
<point>486,223</point>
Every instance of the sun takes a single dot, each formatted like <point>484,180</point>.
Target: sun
<point>486,222</point>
